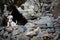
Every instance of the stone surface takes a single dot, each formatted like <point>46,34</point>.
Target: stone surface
<point>31,8</point>
<point>21,29</point>
<point>31,25</point>
<point>45,20</point>
<point>15,32</point>
<point>22,37</point>
<point>36,38</point>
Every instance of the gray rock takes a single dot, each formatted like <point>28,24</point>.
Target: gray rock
<point>47,1</point>
<point>1,32</point>
<point>31,8</point>
<point>9,29</point>
<point>7,39</point>
<point>39,34</point>
<point>36,38</point>
<point>13,37</point>
<point>21,29</point>
<point>15,32</point>
<point>44,21</point>
<point>5,34</point>
<point>22,37</point>
<point>1,38</point>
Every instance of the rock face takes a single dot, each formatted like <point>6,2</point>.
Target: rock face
<point>31,8</point>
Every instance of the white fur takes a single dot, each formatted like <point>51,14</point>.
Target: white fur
<point>10,17</point>
<point>12,24</point>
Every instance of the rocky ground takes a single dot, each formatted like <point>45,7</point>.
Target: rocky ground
<point>41,23</point>
<point>29,32</point>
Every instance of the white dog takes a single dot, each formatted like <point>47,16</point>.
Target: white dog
<point>10,21</point>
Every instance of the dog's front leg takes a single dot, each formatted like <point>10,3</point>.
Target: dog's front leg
<point>7,24</point>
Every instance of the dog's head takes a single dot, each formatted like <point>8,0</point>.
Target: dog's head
<point>10,17</point>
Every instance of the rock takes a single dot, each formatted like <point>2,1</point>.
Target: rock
<point>14,32</point>
<point>37,29</point>
<point>31,33</point>
<point>31,25</point>
<point>9,29</point>
<point>22,37</point>
<point>31,8</point>
<point>5,35</point>
<point>49,15</point>
<point>1,32</point>
<point>13,37</point>
<point>49,24</point>
<point>15,27</point>
<point>45,33</point>
<point>36,38</point>
<point>5,10</point>
<point>21,29</point>
<point>39,33</point>
<point>56,37</point>
<point>7,39</point>
<point>1,38</point>
<point>46,37</point>
<point>45,20</point>
<point>48,30</point>
<point>47,1</point>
